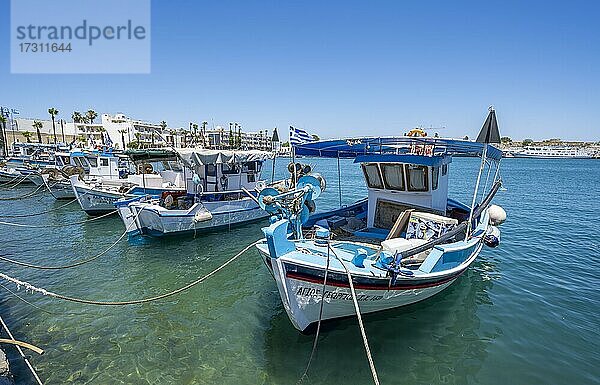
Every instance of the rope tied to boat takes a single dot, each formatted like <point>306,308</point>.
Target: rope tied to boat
<point>360,323</point>
<point>75,264</point>
<point>5,186</point>
<point>34,289</point>
<point>39,213</point>
<point>28,195</point>
<point>20,350</point>
<point>315,342</point>
<point>61,225</point>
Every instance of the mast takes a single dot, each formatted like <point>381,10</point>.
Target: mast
<point>489,134</point>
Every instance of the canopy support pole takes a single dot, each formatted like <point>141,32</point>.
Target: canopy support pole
<point>339,178</point>
<point>294,175</point>
<point>469,224</point>
<point>273,170</point>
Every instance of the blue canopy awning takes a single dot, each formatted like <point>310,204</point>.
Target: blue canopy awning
<point>353,147</point>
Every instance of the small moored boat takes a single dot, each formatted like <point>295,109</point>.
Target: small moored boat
<point>221,193</point>
<point>406,242</point>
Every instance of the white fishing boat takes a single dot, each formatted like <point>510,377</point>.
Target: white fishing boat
<point>404,243</point>
<point>25,161</point>
<point>89,166</point>
<point>158,171</point>
<point>221,193</point>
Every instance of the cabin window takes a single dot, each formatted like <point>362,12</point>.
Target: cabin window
<point>416,177</point>
<point>372,175</point>
<point>393,176</point>
<point>93,162</point>
<point>227,168</point>
<point>250,166</point>
<point>211,170</point>
<point>444,169</point>
<point>103,162</point>
<point>435,171</point>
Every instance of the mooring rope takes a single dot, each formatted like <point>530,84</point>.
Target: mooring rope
<point>33,372</point>
<point>25,264</point>
<point>315,342</point>
<point>27,302</point>
<point>360,323</point>
<point>29,195</point>
<point>39,213</point>
<point>61,225</point>
<point>16,178</point>
<point>30,287</point>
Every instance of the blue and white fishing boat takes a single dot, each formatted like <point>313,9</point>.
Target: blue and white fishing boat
<point>25,161</point>
<point>157,171</point>
<point>221,193</point>
<point>404,243</point>
<point>89,166</point>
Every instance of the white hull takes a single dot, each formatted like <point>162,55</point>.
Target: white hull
<point>302,299</point>
<point>62,190</point>
<point>154,220</point>
<point>94,201</point>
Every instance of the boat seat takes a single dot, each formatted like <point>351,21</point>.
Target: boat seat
<point>397,245</point>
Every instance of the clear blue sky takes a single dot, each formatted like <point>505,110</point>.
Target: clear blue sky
<point>343,68</point>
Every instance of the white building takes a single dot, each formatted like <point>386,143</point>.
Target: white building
<point>121,130</point>
<point>224,138</point>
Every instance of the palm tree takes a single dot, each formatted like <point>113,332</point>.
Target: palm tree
<point>137,138</point>
<point>122,132</point>
<point>91,115</point>
<point>77,117</point>
<point>37,125</point>
<point>4,138</point>
<point>27,136</point>
<point>101,130</point>
<point>53,112</point>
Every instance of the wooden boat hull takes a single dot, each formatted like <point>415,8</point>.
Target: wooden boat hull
<point>301,292</point>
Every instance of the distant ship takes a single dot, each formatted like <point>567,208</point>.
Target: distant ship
<point>550,153</point>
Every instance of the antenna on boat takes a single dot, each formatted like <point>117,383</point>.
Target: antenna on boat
<point>489,134</point>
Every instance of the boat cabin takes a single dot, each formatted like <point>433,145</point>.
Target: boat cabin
<point>227,176</point>
<point>398,182</point>
<point>97,164</point>
<point>221,170</point>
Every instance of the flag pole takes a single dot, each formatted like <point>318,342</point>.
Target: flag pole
<point>483,156</point>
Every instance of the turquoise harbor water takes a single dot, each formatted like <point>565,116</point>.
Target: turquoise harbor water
<point>526,313</point>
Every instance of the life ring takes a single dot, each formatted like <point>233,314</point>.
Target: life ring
<point>145,168</point>
<point>416,132</point>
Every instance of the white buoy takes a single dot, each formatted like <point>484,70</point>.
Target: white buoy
<point>497,215</point>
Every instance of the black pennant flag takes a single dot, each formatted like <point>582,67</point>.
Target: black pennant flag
<point>489,132</point>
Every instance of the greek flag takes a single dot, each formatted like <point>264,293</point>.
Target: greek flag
<point>299,136</point>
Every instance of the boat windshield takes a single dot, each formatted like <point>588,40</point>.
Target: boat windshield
<point>417,177</point>
<point>393,175</point>
<point>372,175</point>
